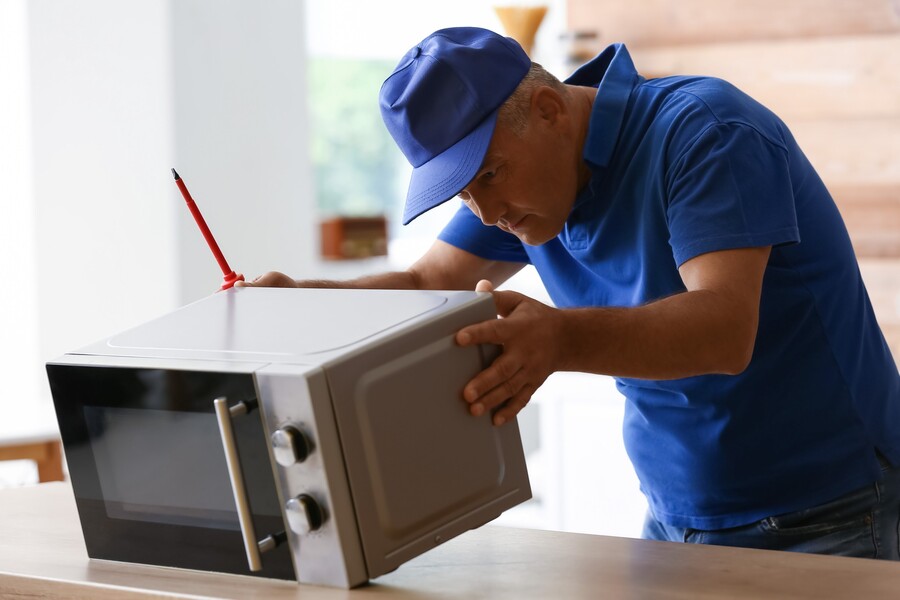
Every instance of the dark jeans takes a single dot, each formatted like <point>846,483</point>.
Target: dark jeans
<point>864,523</point>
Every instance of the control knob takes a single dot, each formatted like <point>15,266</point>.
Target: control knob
<point>290,445</point>
<point>304,514</point>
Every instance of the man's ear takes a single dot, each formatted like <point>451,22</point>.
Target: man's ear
<point>547,104</point>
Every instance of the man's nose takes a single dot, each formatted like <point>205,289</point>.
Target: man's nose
<point>489,212</point>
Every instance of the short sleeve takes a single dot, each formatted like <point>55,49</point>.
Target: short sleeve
<point>467,232</point>
<point>730,188</point>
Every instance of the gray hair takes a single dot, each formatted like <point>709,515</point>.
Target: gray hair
<point>514,112</point>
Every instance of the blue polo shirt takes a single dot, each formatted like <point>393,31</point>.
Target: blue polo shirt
<point>683,166</point>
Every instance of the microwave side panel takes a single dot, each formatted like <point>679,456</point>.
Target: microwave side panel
<point>298,397</point>
<point>422,470</point>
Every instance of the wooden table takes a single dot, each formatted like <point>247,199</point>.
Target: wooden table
<point>42,555</point>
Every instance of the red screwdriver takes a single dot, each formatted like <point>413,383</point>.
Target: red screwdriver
<point>230,276</point>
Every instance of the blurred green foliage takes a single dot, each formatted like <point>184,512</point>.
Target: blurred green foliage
<point>355,161</point>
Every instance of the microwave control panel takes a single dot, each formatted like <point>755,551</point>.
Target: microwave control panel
<point>291,446</point>
<point>309,469</point>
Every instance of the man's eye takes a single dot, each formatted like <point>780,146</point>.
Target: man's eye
<point>488,174</point>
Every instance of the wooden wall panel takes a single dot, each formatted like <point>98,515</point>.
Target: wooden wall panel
<point>872,215</point>
<point>669,22</point>
<point>849,77</point>
<point>853,151</point>
<point>829,68</point>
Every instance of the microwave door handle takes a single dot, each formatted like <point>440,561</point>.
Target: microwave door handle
<point>223,416</point>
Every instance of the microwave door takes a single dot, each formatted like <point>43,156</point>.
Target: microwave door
<point>149,469</point>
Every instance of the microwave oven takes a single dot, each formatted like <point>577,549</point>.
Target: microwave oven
<point>316,435</point>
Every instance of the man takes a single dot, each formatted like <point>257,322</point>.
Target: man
<point>692,252</point>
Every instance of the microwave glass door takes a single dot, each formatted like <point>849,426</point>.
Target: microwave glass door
<point>149,472</point>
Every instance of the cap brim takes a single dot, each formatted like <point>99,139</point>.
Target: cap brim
<point>445,175</point>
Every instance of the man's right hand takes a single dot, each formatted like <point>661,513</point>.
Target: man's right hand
<point>270,279</point>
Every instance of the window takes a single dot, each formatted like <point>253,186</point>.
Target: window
<point>356,165</point>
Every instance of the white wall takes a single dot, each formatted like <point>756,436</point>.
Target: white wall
<point>120,92</point>
<point>241,140</point>
<point>19,356</point>
<point>102,139</point>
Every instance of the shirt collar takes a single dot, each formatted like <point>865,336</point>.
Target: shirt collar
<point>614,75</point>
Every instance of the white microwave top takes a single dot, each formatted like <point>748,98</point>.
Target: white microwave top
<point>254,324</point>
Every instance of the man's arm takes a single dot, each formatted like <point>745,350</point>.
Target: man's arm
<point>442,267</point>
<point>710,328</point>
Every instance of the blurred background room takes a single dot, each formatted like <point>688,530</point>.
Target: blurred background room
<point>269,112</point>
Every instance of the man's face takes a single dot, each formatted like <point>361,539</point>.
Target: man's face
<point>526,184</point>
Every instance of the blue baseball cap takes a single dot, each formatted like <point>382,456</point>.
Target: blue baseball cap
<point>440,105</point>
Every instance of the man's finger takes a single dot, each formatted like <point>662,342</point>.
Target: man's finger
<point>491,380</point>
<point>507,302</point>
<point>514,406</point>
<point>495,388</point>
<point>486,332</point>
<point>484,286</point>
